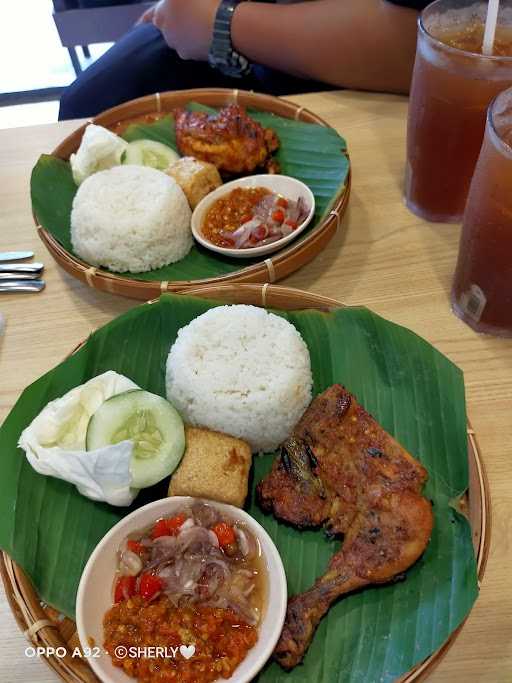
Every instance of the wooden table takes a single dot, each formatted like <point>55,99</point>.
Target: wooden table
<point>383,257</point>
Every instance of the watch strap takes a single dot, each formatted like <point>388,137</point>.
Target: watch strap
<point>222,56</point>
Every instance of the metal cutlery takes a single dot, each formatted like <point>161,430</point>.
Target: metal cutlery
<point>21,271</point>
<point>19,276</point>
<point>15,255</point>
<point>21,285</point>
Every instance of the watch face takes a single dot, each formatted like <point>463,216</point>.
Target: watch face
<point>231,71</point>
<point>222,66</point>
<point>243,63</point>
<point>236,67</point>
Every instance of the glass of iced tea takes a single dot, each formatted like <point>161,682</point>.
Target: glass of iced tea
<point>452,86</point>
<point>482,287</point>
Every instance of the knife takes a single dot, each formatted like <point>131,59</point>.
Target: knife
<point>15,255</point>
<point>21,285</point>
<point>18,277</point>
<point>21,270</point>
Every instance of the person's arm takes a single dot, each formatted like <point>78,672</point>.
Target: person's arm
<point>368,44</point>
<point>365,44</point>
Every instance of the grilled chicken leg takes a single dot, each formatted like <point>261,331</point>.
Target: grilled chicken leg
<point>341,469</point>
<point>230,139</point>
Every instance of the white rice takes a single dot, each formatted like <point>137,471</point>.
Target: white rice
<point>130,218</point>
<point>242,371</point>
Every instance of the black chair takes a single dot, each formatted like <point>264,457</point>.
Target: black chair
<point>84,22</point>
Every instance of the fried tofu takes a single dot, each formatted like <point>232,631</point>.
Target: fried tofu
<point>196,178</point>
<point>214,466</point>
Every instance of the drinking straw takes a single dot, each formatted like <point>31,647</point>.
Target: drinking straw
<point>490,26</point>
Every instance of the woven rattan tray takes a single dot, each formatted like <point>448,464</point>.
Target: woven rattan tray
<point>45,627</point>
<point>272,269</point>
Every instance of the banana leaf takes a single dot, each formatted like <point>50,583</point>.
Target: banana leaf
<point>415,392</point>
<point>312,153</point>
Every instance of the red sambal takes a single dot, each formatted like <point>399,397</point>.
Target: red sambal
<point>250,217</point>
<point>151,634</point>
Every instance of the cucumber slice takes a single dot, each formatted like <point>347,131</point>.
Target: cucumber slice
<point>151,423</point>
<point>150,153</point>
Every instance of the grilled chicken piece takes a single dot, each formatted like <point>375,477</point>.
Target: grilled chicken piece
<point>341,469</point>
<point>231,140</point>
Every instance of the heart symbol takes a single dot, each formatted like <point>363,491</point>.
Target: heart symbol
<point>187,651</point>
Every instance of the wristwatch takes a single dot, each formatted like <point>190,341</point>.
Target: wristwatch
<point>221,55</point>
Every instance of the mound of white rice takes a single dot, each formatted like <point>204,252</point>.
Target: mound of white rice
<point>130,218</point>
<point>242,371</point>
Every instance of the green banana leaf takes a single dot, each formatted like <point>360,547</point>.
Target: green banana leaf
<point>415,392</point>
<point>312,153</point>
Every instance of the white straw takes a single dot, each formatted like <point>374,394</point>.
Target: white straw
<point>490,26</point>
